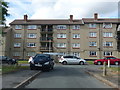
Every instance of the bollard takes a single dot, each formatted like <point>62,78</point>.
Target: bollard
<point>108,63</point>
<point>104,69</point>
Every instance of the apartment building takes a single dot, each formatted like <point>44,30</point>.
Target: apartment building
<point>88,38</point>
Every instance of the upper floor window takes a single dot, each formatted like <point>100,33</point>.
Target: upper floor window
<point>92,43</point>
<point>62,45</point>
<point>107,25</point>
<point>61,27</point>
<point>76,35</point>
<point>61,35</point>
<point>17,35</point>
<point>92,25</point>
<point>107,34</point>
<point>108,43</point>
<point>75,45</point>
<point>76,27</point>
<point>17,44</point>
<point>18,26</point>
<point>92,34</point>
<point>31,44</point>
<point>107,53</point>
<point>31,35</point>
<point>32,27</point>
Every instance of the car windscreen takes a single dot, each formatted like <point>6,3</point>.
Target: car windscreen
<point>41,58</point>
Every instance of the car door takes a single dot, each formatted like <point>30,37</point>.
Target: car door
<point>69,59</point>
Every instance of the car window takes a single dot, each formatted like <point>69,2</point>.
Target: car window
<point>68,56</point>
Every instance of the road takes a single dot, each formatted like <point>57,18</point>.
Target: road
<point>66,76</point>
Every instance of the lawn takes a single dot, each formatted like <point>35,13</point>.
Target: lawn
<point>90,62</point>
<point>22,62</point>
<point>12,68</point>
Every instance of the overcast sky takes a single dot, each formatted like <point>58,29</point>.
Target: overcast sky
<point>61,9</point>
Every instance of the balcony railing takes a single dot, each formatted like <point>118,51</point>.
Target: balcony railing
<point>46,48</point>
<point>47,30</point>
<point>49,39</point>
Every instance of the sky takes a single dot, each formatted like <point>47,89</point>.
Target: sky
<point>61,9</point>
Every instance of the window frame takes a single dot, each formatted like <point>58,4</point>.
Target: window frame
<point>28,44</point>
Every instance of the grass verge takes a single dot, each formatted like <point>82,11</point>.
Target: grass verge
<point>12,68</point>
<point>90,62</point>
<point>22,62</point>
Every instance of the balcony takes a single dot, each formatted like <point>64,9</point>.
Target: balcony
<point>46,39</point>
<point>47,31</point>
<point>46,49</point>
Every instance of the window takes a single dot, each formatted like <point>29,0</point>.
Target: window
<point>75,45</point>
<point>16,54</point>
<point>92,34</point>
<point>107,53</point>
<point>17,35</point>
<point>63,53</point>
<point>61,27</point>
<point>61,35</point>
<point>17,44</point>
<point>76,27</point>
<point>76,35</point>
<point>107,34</point>
<point>93,43</point>
<point>32,27</point>
<point>31,54</point>
<point>31,35</point>
<point>92,25</point>
<point>108,44</point>
<point>93,53</point>
<point>18,26</point>
<point>62,45</point>
<point>31,44</point>
<point>107,25</point>
<point>77,54</point>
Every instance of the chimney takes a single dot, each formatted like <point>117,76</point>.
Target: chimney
<point>71,17</point>
<point>25,17</point>
<point>95,16</point>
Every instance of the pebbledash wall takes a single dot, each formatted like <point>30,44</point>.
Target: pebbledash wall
<point>88,38</point>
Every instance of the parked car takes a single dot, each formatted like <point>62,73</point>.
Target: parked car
<point>44,61</point>
<point>71,60</point>
<point>7,60</point>
<point>113,60</point>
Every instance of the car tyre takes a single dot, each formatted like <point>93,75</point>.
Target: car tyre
<point>81,63</point>
<point>116,63</point>
<point>32,67</point>
<point>99,63</point>
<point>64,63</point>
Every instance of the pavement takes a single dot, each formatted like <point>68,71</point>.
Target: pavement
<point>19,78</point>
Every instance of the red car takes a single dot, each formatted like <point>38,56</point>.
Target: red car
<point>113,60</point>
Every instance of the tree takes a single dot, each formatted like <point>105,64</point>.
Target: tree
<point>4,11</point>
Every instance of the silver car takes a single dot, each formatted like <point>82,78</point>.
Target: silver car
<point>71,60</point>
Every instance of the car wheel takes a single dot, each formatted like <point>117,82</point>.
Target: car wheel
<point>32,67</point>
<point>116,63</point>
<point>64,63</point>
<point>99,63</point>
<point>81,63</point>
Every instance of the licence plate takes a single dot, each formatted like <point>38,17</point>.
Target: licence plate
<point>38,65</point>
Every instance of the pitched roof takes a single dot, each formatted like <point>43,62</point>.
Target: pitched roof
<point>47,21</point>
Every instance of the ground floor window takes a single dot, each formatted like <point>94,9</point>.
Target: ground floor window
<point>31,54</point>
<point>108,53</point>
<point>93,53</point>
<point>77,54</point>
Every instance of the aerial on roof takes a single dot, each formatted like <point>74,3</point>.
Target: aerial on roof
<point>64,21</point>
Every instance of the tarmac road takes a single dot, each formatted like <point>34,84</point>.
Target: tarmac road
<point>67,76</point>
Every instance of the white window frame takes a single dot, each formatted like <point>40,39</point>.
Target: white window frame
<point>93,43</point>
<point>108,44</point>
<point>76,27</point>
<point>61,45</point>
<point>108,53</point>
<point>17,35</point>
<point>92,34</point>
<point>92,53</point>
<point>32,27</point>
<point>61,35</point>
<point>76,35</point>
<point>92,25</point>
<point>18,26</point>
<point>76,45</point>
<point>17,44</point>
<point>61,27</point>
<point>31,44</point>
<point>107,25</point>
<point>16,54</point>
<point>107,34</point>
<point>32,34</point>
<point>31,54</point>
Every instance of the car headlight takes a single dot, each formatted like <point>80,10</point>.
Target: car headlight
<point>13,59</point>
<point>46,63</point>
